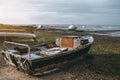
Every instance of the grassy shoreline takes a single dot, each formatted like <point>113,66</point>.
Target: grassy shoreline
<point>103,61</point>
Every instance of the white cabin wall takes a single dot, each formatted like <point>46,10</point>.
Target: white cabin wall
<point>76,42</point>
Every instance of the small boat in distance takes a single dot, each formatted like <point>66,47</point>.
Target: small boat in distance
<point>46,58</point>
<point>72,27</point>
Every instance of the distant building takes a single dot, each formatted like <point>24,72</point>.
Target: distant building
<point>72,27</point>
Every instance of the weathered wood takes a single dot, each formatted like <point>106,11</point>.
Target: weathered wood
<point>44,64</point>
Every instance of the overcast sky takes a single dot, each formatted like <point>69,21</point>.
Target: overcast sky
<point>60,12</point>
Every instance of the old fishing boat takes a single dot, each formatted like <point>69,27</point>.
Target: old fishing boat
<point>41,59</point>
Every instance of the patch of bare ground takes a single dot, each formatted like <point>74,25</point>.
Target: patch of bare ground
<point>9,73</point>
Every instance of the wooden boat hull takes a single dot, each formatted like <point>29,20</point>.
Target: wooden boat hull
<point>60,61</point>
<point>60,58</point>
<point>69,59</point>
<point>33,63</point>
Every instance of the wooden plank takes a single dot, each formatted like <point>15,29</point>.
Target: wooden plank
<point>67,42</point>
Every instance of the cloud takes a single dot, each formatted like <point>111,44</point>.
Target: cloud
<point>60,11</point>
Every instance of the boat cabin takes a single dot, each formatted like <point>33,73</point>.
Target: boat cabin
<point>70,42</point>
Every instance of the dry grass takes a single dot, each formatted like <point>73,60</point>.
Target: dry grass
<point>102,63</point>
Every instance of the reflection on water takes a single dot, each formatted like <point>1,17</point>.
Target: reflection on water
<point>98,28</point>
<point>112,34</point>
<point>87,27</point>
<point>115,34</point>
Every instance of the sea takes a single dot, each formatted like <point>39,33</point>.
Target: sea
<point>113,31</point>
<point>98,28</point>
<point>106,30</point>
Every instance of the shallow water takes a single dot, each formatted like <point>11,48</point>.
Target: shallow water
<point>89,27</point>
<point>106,30</point>
<point>112,34</point>
<point>115,34</point>
<point>98,28</point>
